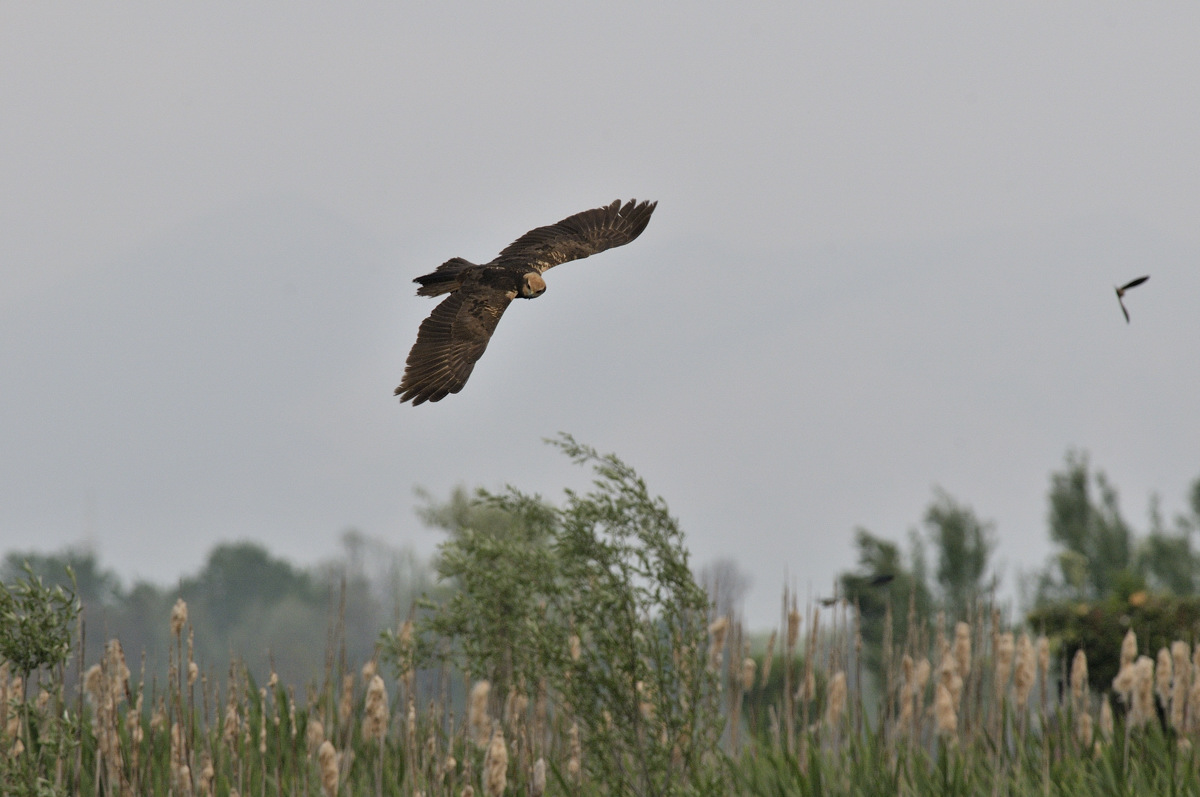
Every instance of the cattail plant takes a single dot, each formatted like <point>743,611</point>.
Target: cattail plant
<point>375,720</point>
<point>945,711</point>
<point>1123,683</point>
<point>1180,685</point>
<point>1004,658</point>
<point>947,695</point>
<point>495,765</point>
<point>1162,679</point>
<point>836,702</point>
<point>328,759</point>
<point>1106,719</point>
<point>478,719</point>
<point>1025,672</point>
<point>1080,703</point>
<point>1142,709</point>
<point>717,632</point>
<point>907,694</point>
<point>1043,666</point>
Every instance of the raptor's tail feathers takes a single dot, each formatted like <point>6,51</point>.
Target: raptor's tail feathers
<point>444,280</point>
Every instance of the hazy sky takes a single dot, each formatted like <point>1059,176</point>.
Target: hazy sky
<point>883,260</point>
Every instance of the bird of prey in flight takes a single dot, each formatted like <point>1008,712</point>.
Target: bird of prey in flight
<point>1121,293</point>
<point>456,333</point>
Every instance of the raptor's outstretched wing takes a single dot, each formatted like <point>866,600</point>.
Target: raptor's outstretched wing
<point>578,236</point>
<point>450,341</point>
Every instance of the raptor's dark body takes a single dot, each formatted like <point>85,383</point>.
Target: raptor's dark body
<point>453,338</point>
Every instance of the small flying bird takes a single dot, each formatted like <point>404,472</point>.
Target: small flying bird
<point>881,580</point>
<point>1121,293</point>
<point>454,336</point>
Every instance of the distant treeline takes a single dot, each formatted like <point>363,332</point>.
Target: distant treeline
<point>248,605</point>
<point>245,604</point>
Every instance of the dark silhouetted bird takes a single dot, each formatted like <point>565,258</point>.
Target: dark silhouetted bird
<point>457,332</point>
<point>1121,293</point>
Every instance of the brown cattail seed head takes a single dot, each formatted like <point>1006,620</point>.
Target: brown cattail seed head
<point>793,629</point>
<point>1123,683</point>
<point>477,713</point>
<point>837,699</point>
<point>945,709</point>
<point>749,666</point>
<point>1079,680</point>
<point>949,678</point>
<point>716,645</point>
<point>1004,657</point>
<point>328,758</point>
<point>1026,671</point>
<point>1129,648</point>
<point>93,681</point>
<point>766,668</point>
<point>921,675</point>
<point>375,716</point>
<point>907,692</point>
<point>178,617</point>
<point>574,753</point>
<point>962,648</point>
<point>1083,729</point>
<point>495,766</point>
<point>1106,719</point>
<point>1181,686</point>
<point>314,734</point>
<point>537,785</point>
<point>1143,691</point>
<point>1163,677</point>
<point>346,704</point>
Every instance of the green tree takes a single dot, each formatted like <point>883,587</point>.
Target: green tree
<point>237,577</point>
<point>884,579</point>
<point>1097,547</point>
<point>1167,558</point>
<point>964,545</point>
<point>502,575</point>
<point>36,627</point>
<point>94,585</point>
<point>595,598</point>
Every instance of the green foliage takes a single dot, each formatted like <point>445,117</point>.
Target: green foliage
<point>1097,545</point>
<point>1098,628</point>
<point>244,598</point>
<point>76,568</point>
<point>36,623</point>
<point>877,559</point>
<point>241,576</point>
<point>504,576</point>
<point>964,545</point>
<point>640,687</point>
<point>611,569</point>
<point>1167,557</point>
<point>867,766</point>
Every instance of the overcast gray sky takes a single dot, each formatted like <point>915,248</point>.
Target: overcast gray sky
<point>883,260</point>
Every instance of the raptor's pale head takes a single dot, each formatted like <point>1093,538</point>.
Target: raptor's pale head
<point>532,285</point>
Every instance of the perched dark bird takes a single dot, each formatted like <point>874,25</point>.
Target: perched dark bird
<point>881,580</point>
<point>456,334</point>
<point>1121,293</point>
